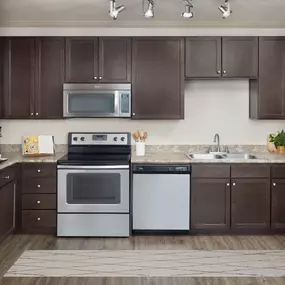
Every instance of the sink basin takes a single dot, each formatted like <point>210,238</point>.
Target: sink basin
<point>240,156</point>
<point>205,156</point>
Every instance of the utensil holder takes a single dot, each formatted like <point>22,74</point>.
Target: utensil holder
<point>140,148</point>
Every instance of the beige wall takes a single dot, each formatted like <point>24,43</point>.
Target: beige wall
<point>211,106</point>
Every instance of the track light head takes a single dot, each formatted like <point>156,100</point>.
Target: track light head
<point>114,11</point>
<point>150,10</point>
<point>188,14</point>
<point>226,9</point>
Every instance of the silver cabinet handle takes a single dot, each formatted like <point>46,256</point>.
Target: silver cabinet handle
<point>37,114</point>
<point>134,114</point>
<point>38,202</point>
<point>6,177</point>
<point>32,114</point>
<point>234,184</point>
<point>39,170</point>
<point>228,184</point>
<point>39,186</point>
<point>274,184</point>
<point>219,72</point>
<point>100,77</point>
<point>38,219</point>
<point>95,77</point>
<point>224,72</point>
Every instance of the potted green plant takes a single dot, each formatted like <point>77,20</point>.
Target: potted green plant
<point>279,141</point>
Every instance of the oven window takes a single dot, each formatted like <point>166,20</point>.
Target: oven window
<point>93,188</point>
<point>102,103</point>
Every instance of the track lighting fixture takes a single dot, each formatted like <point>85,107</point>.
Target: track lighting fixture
<point>188,14</point>
<point>114,11</point>
<point>150,10</point>
<point>226,9</point>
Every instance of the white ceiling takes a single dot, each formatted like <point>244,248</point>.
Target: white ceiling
<point>94,13</point>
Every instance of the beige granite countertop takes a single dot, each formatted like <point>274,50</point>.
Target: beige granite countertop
<point>19,158</point>
<point>264,157</point>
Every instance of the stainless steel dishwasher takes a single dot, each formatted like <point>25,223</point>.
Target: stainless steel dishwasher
<point>161,197</point>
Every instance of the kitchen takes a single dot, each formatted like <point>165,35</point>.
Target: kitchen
<point>184,90</point>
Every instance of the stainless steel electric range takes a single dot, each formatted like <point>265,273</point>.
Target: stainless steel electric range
<point>93,185</point>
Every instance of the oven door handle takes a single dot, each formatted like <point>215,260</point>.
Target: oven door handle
<point>93,167</point>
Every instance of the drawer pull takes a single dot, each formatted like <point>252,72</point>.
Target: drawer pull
<point>6,177</point>
<point>228,184</point>
<point>234,184</point>
<point>274,184</point>
<point>39,186</point>
<point>38,202</point>
<point>39,170</point>
<point>38,219</point>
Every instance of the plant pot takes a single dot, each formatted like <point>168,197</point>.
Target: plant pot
<point>281,149</point>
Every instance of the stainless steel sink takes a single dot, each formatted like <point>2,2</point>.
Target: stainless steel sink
<point>206,156</point>
<point>240,156</point>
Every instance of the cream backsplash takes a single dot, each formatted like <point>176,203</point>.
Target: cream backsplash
<point>211,106</point>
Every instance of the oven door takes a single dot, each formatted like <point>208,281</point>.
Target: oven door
<point>93,189</point>
<point>86,103</point>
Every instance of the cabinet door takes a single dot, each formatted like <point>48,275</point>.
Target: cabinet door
<point>203,57</point>
<point>278,204</point>
<point>49,78</point>
<point>7,209</point>
<point>19,78</point>
<point>250,204</point>
<point>82,59</point>
<point>210,204</point>
<point>114,60</point>
<point>2,50</point>
<point>158,78</point>
<point>271,95</point>
<point>240,57</point>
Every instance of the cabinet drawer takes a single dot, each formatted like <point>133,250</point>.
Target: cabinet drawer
<point>38,219</point>
<point>250,171</point>
<point>39,170</point>
<point>39,185</point>
<point>278,171</point>
<point>7,176</point>
<point>210,170</point>
<point>39,202</point>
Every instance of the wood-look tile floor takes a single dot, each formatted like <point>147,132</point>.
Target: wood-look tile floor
<point>12,248</point>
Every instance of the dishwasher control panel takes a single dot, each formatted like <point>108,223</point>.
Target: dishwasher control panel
<point>162,168</point>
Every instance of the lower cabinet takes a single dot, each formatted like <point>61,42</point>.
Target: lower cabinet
<point>210,206</point>
<point>250,204</point>
<point>7,209</point>
<point>278,204</point>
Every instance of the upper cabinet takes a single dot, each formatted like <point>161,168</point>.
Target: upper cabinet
<point>19,78</point>
<point>98,60</point>
<point>158,78</point>
<point>267,95</point>
<point>49,78</point>
<point>214,57</point>
<point>33,78</point>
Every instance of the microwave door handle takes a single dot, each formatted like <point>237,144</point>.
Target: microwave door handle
<point>117,103</point>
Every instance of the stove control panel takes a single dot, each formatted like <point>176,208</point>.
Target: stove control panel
<point>100,139</point>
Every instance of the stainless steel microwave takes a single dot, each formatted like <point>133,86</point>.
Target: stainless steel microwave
<point>96,100</point>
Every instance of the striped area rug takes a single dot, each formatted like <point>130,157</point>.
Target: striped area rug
<point>152,263</point>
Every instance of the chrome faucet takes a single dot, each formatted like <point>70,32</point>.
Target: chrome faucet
<point>217,140</point>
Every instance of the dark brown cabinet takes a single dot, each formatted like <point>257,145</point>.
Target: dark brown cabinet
<point>203,57</point>
<point>214,57</point>
<point>267,95</point>
<point>33,78</point>
<point>158,78</point>
<point>49,78</point>
<point>210,204</point>
<point>19,78</point>
<point>7,209</point>
<point>98,60</point>
<point>278,204</point>
<point>250,204</point>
